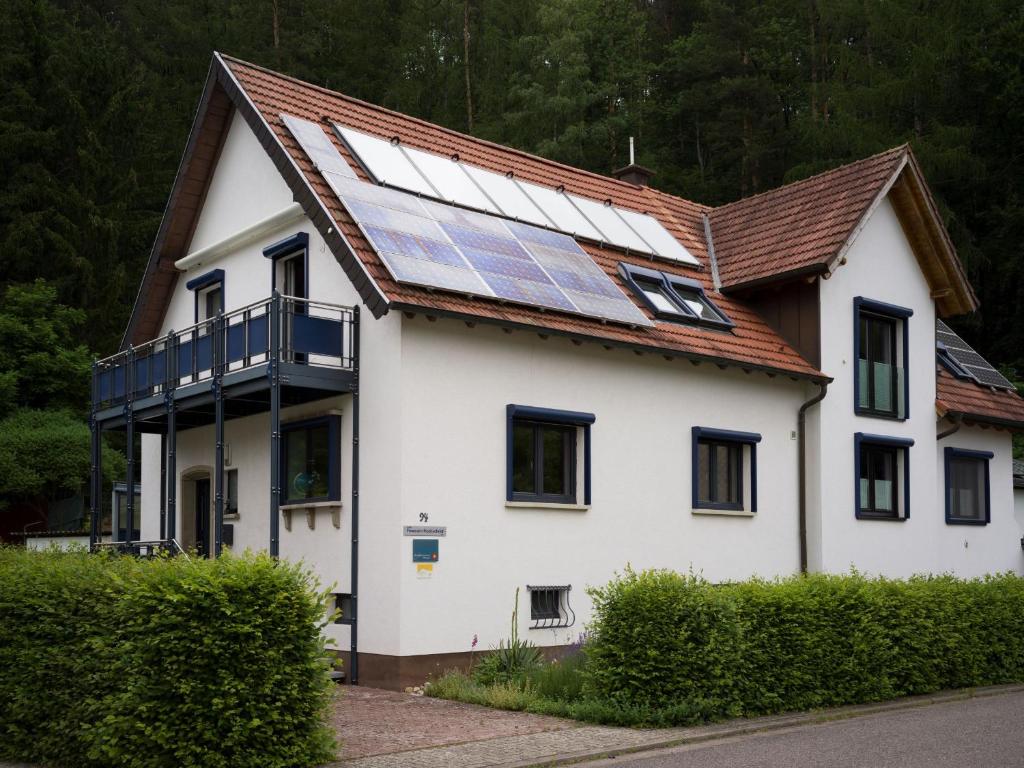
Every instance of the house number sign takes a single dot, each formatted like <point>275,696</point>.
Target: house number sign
<point>425,530</point>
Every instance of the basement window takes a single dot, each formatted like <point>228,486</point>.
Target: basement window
<point>549,607</point>
<point>673,297</point>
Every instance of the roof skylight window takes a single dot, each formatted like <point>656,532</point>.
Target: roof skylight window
<point>675,298</point>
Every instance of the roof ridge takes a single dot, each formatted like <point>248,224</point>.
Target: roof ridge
<point>452,131</point>
<point>895,151</point>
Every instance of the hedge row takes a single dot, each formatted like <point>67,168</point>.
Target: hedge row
<point>113,661</point>
<point>664,641</point>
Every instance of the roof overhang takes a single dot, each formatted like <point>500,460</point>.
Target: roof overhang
<point>222,98</point>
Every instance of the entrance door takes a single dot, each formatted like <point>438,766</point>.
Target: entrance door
<point>203,516</point>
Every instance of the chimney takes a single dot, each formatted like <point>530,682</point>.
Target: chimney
<point>633,173</point>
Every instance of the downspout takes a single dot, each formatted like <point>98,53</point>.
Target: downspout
<point>957,420</point>
<point>801,430</point>
<point>354,647</point>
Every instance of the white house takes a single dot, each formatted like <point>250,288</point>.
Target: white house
<point>440,370</point>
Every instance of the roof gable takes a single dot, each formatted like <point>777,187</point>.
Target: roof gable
<point>806,227</point>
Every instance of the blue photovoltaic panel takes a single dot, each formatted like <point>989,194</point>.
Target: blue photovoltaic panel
<point>440,246</point>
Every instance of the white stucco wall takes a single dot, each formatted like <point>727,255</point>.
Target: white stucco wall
<point>881,266</point>
<point>457,382</point>
<point>246,188</point>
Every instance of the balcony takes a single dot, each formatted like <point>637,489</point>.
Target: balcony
<point>310,346</point>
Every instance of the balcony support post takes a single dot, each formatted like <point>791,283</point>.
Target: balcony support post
<point>129,415</point>
<point>354,645</point>
<point>171,488</point>
<point>273,360</point>
<point>96,481</point>
<point>218,407</point>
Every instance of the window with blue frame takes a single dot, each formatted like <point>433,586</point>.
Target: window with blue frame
<point>724,466</point>
<point>882,477</point>
<point>310,460</point>
<point>543,455</point>
<point>881,341</point>
<point>208,290</point>
<point>967,487</point>
<point>673,297</point>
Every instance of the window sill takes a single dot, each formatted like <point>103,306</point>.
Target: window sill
<point>869,414</point>
<point>232,516</point>
<point>546,505</point>
<point>964,521</point>
<point>723,512</point>
<point>882,518</point>
<point>310,508</point>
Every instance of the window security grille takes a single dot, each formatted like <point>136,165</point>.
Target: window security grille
<point>549,607</point>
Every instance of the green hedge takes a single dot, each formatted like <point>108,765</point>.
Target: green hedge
<point>113,661</point>
<point>662,641</point>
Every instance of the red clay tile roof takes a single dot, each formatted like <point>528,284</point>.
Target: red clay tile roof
<point>800,226</point>
<point>752,343</point>
<point>977,403</point>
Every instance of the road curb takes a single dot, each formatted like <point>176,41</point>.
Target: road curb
<point>772,723</point>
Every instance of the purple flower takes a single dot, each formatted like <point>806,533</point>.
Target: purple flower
<point>473,644</point>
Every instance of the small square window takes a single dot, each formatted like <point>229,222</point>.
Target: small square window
<point>549,607</point>
<point>967,486</point>
<point>309,461</point>
<point>719,474</point>
<point>543,462</point>
<point>673,297</point>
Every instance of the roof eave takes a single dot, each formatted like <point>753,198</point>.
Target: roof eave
<point>817,378</point>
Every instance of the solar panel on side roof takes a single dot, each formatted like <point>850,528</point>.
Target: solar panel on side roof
<point>659,238</point>
<point>611,225</point>
<point>512,201</point>
<point>450,180</point>
<point>318,146</point>
<point>974,364</point>
<point>384,161</point>
<point>557,207</point>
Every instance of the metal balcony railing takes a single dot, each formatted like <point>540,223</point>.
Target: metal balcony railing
<point>310,333</point>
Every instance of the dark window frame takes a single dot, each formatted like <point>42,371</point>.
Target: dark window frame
<point>333,424</point>
<point>556,609</point>
<point>953,454</point>
<point>900,317</point>
<point>202,285</point>
<point>673,287</point>
<point>551,417</point>
<point>296,245</point>
<point>902,447</point>
<point>341,601</point>
<point>741,440</point>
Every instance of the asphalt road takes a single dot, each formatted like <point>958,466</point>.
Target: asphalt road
<point>976,733</point>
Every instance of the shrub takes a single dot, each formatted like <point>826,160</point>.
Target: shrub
<point>511,660</point>
<point>669,649</point>
<point>559,680</point>
<point>112,661</point>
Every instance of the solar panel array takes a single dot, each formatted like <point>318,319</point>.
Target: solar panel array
<point>974,365</point>
<point>451,181</point>
<point>440,246</point>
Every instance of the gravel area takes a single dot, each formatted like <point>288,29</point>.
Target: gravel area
<point>371,721</point>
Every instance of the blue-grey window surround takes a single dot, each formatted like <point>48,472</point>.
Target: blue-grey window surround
<point>333,424</point>
<point>199,284</point>
<point>894,312</point>
<point>670,286</point>
<point>282,249</point>
<point>725,436</point>
<point>901,443</point>
<point>950,454</point>
<point>547,416</point>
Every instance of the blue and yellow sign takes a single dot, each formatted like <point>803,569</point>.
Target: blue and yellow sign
<point>424,550</point>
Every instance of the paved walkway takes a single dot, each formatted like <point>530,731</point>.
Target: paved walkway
<point>572,744</point>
